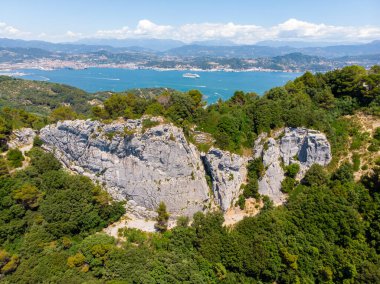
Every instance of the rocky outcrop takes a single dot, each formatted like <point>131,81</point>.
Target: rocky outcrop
<point>157,164</point>
<point>270,183</point>
<point>21,137</point>
<point>144,165</point>
<point>297,145</point>
<point>305,147</point>
<point>228,172</point>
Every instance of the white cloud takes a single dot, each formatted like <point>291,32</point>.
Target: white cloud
<point>10,31</point>
<point>144,28</point>
<point>73,35</point>
<point>291,29</point>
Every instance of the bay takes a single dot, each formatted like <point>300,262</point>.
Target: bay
<point>213,85</point>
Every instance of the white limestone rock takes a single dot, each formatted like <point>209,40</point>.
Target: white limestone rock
<point>305,147</point>
<point>150,167</point>
<point>297,145</point>
<point>228,172</point>
<point>270,183</point>
<point>21,137</point>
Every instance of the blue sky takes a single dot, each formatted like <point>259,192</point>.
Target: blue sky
<point>239,20</point>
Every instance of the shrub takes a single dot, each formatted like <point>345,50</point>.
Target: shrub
<point>316,175</point>
<point>162,218</point>
<point>37,142</point>
<point>76,260</point>
<point>376,135</point>
<point>241,201</point>
<point>15,158</point>
<point>135,236</point>
<point>287,185</point>
<point>147,123</point>
<point>292,170</point>
<point>345,173</point>
<point>356,161</point>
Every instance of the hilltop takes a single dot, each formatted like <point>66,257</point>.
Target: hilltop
<point>300,163</point>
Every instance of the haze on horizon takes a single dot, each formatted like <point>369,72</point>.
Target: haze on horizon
<point>239,22</point>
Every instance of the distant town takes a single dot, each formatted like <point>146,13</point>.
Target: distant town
<point>16,55</point>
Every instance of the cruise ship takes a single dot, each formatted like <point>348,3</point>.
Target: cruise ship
<point>190,75</point>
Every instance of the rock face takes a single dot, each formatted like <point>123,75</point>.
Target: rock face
<point>297,145</point>
<point>147,166</point>
<point>228,172</point>
<point>21,137</point>
<point>270,183</point>
<point>306,147</point>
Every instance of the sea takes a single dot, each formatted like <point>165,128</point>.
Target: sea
<point>213,85</point>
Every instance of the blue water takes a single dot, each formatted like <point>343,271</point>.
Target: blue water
<point>213,85</point>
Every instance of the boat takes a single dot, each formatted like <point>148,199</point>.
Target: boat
<point>190,75</point>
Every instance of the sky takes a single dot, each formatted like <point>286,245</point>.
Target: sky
<point>239,21</point>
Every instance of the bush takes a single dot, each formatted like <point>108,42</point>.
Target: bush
<point>345,173</point>
<point>37,142</point>
<point>241,201</point>
<point>315,176</point>
<point>15,158</point>
<point>134,236</point>
<point>376,135</point>
<point>288,184</point>
<point>292,170</point>
<point>147,123</point>
<point>76,260</point>
<point>356,161</point>
<point>162,218</point>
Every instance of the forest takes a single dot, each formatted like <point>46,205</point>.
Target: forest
<point>327,232</point>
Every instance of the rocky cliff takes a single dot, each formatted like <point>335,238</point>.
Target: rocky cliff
<point>144,165</point>
<point>292,145</point>
<point>150,165</point>
<point>228,172</point>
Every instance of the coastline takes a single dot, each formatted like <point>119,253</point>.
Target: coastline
<point>57,65</point>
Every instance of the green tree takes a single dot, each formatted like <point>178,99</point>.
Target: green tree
<point>28,195</point>
<point>15,158</point>
<point>292,170</point>
<point>345,173</point>
<point>62,113</point>
<point>162,218</point>
<point>315,176</point>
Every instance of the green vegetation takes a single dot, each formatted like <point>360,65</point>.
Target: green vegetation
<point>42,209</point>
<point>15,158</point>
<point>162,218</point>
<point>317,101</point>
<point>42,97</point>
<point>327,232</point>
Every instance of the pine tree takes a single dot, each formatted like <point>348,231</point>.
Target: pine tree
<point>162,218</point>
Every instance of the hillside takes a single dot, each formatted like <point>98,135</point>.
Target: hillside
<point>300,163</point>
<point>169,54</point>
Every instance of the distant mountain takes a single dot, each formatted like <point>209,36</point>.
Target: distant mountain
<point>57,47</point>
<point>19,54</point>
<point>150,44</point>
<point>344,50</point>
<point>239,51</point>
<point>254,51</point>
<point>214,43</point>
<point>200,49</point>
<point>298,44</point>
